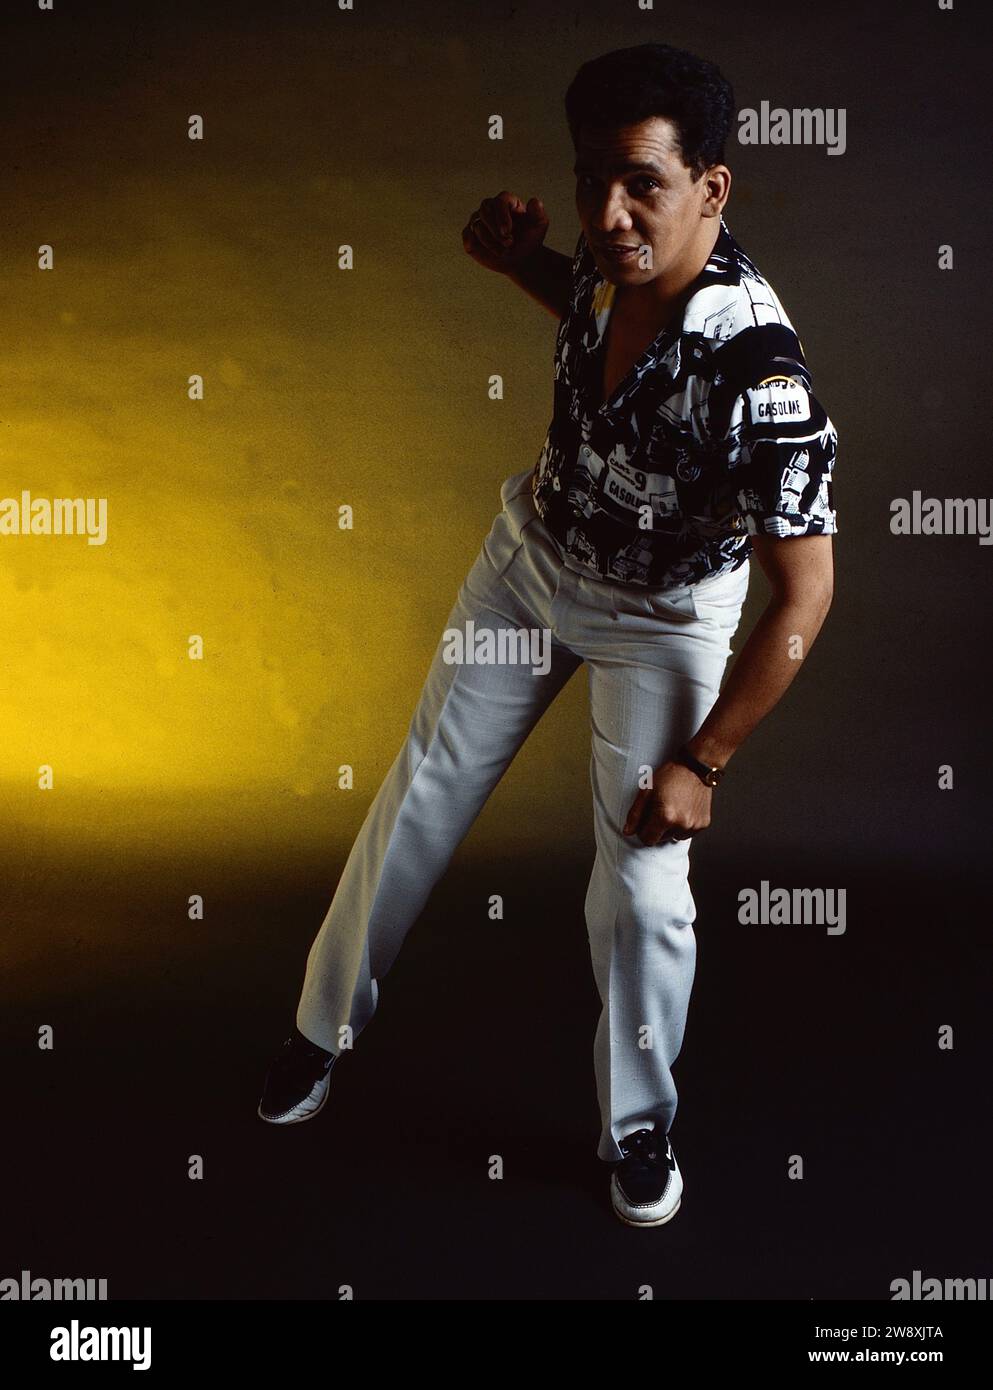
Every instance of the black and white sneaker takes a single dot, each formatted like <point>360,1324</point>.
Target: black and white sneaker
<point>296,1085</point>
<point>646,1187</point>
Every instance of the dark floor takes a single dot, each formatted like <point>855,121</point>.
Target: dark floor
<point>797,1043</point>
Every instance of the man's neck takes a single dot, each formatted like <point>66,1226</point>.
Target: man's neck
<point>658,301</point>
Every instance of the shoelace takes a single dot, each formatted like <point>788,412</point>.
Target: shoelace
<point>297,1052</point>
<point>645,1147</point>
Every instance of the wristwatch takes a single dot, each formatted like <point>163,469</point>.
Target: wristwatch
<point>710,776</point>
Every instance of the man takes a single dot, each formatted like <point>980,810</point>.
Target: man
<point>685,438</point>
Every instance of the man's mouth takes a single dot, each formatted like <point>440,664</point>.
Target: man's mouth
<point>621,251</point>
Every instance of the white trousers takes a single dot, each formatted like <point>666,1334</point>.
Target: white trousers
<point>655,661</point>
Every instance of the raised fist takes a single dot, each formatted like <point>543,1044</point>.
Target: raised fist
<point>503,231</point>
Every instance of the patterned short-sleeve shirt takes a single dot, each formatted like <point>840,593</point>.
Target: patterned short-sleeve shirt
<point>713,436</point>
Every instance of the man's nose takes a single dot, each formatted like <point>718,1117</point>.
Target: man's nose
<point>611,214</point>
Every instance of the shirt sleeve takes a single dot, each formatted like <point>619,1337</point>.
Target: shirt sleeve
<point>780,449</point>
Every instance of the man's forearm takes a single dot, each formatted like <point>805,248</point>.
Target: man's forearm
<point>547,277</point>
<point>760,676</point>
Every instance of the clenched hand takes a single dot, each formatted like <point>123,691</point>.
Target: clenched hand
<point>677,801</point>
<point>503,231</point>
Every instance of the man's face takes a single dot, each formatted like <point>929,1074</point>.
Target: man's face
<point>633,189</point>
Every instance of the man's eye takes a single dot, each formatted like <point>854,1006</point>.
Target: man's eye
<point>645,184</point>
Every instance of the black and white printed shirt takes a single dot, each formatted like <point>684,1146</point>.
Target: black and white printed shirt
<point>713,436</point>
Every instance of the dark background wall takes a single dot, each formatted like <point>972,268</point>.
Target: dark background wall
<point>369,387</point>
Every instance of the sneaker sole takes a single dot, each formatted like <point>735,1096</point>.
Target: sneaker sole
<point>289,1118</point>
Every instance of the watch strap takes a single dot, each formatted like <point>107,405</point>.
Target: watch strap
<point>710,776</point>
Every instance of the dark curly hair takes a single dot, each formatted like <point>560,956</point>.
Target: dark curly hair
<point>653,79</point>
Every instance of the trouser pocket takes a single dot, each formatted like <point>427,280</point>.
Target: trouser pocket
<point>505,538</point>
<point>516,486</point>
<point>495,557</point>
<point>721,597</point>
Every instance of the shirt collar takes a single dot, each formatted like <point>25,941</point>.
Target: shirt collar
<point>723,268</point>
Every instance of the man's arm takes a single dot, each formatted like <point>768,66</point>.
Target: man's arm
<point>780,446</point>
<point>506,235</point>
<point>547,277</point>
<point>800,570</point>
